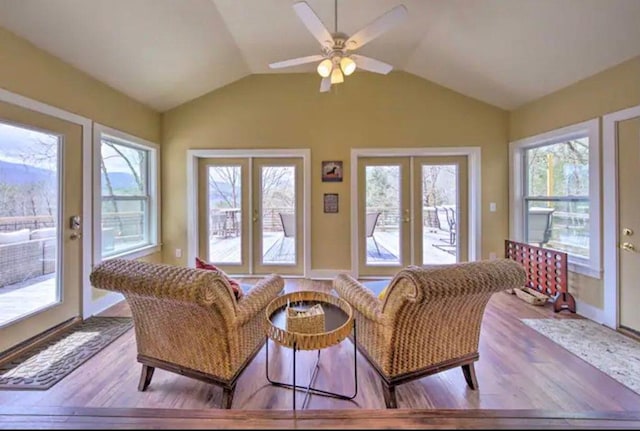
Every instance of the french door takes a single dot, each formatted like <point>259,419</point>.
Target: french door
<point>40,246</point>
<point>411,211</point>
<point>251,214</point>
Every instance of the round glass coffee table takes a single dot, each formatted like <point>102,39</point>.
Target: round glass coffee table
<point>338,324</point>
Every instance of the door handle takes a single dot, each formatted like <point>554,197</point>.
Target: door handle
<point>627,246</point>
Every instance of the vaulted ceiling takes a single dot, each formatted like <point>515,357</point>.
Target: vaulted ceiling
<point>167,52</point>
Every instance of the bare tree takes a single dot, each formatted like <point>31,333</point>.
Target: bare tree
<point>227,176</point>
<point>126,159</point>
<point>114,202</point>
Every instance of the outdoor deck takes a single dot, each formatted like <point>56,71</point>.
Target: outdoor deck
<point>21,299</point>
<point>437,249</point>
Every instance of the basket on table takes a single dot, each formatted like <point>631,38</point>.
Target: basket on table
<point>308,321</point>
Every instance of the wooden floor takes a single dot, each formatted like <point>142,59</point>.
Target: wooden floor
<point>520,374</point>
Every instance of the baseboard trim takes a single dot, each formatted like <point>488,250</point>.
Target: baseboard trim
<point>327,274</point>
<point>590,312</point>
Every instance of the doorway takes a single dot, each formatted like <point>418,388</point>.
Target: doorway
<point>41,171</point>
<point>621,174</point>
<point>252,212</point>
<point>413,210</point>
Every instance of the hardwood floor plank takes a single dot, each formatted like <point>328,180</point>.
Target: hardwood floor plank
<point>519,371</point>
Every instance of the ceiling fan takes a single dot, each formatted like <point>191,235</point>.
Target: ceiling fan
<point>337,59</point>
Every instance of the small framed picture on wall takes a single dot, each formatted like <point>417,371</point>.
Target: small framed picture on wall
<point>332,171</point>
<point>330,202</point>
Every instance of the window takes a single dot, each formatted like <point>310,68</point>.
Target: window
<point>128,205</point>
<point>555,201</point>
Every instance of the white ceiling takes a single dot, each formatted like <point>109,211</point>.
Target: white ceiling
<point>166,52</point>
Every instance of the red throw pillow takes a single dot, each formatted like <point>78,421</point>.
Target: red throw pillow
<point>237,290</point>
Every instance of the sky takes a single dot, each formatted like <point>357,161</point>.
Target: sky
<point>18,144</point>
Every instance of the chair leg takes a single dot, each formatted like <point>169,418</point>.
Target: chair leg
<point>470,375</point>
<point>389,393</point>
<point>145,377</point>
<point>376,243</point>
<point>227,397</point>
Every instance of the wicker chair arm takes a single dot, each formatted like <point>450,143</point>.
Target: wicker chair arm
<point>258,298</point>
<point>361,298</point>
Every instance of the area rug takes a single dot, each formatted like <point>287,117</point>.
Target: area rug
<point>607,350</point>
<point>46,364</point>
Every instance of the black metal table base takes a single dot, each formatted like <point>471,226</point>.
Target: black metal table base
<point>309,389</point>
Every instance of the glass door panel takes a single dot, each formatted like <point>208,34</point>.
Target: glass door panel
<point>223,207</point>
<point>40,191</point>
<point>277,215</point>
<point>384,215</point>
<point>440,210</point>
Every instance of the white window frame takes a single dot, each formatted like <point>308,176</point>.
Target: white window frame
<point>153,246</point>
<point>591,266</point>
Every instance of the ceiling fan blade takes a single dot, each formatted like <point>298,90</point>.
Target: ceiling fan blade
<point>296,61</point>
<point>376,28</point>
<point>313,24</point>
<point>325,85</point>
<point>371,64</point>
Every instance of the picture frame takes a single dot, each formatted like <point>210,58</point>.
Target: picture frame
<point>330,203</point>
<point>332,171</point>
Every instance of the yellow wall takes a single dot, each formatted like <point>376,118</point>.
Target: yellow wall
<point>609,91</point>
<point>367,111</point>
<point>31,72</point>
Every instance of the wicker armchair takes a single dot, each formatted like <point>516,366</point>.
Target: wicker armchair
<point>188,321</point>
<point>429,320</point>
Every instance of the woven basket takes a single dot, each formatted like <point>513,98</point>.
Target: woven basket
<point>309,321</point>
<point>531,296</point>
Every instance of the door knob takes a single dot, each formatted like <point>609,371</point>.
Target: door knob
<point>627,246</point>
<point>627,232</point>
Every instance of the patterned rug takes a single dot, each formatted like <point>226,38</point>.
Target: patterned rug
<point>46,364</point>
<point>607,350</point>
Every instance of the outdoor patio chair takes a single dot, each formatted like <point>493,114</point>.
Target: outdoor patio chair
<point>371,222</point>
<point>217,225</point>
<point>451,220</point>
<point>288,228</point>
<point>428,320</point>
<point>539,225</point>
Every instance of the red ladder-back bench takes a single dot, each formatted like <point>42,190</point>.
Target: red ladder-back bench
<point>546,272</point>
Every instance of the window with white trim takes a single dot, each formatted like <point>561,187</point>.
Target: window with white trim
<point>556,204</point>
<point>128,203</point>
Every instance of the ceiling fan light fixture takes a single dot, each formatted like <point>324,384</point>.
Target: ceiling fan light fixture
<point>347,65</point>
<point>325,67</point>
<point>336,76</point>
